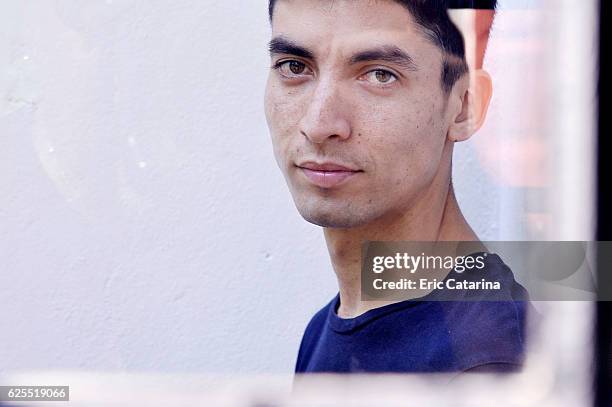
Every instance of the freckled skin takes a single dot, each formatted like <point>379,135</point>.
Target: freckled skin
<point>397,135</point>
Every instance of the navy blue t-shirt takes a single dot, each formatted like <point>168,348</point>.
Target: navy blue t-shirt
<point>423,335</point>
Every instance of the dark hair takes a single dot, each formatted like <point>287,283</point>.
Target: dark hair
<point>432,17</point>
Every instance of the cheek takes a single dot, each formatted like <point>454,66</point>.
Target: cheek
<point>281,115</point>
<point>284,106</point>
<point>406,142</point>
<point>277,116</point>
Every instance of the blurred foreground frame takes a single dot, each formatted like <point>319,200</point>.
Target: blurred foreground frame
<point>603,332</point>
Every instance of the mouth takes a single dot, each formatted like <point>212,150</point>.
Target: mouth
<point>327,175</point>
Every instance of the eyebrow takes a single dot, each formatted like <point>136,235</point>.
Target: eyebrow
<point>281,45</point>
<point>387,53</point>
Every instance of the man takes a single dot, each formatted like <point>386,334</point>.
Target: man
<point>364,102</point>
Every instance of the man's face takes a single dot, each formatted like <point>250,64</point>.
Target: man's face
<point>355,108</point>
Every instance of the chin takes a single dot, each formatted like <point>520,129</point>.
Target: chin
<point>330,217</point>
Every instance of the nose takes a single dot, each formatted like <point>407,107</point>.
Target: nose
<point>326,114</point>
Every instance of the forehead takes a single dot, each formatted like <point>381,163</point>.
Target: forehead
<point>341,25</point>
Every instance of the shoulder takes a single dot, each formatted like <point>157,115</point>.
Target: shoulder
<point>318,320</point>
<point>312,333</point>
<point>489,329</point>
<point>486,332</point>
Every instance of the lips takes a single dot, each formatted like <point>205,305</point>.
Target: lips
<point>327,175</point>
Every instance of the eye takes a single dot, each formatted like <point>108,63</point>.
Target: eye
<point>379,77</point>
<point>292,68</point>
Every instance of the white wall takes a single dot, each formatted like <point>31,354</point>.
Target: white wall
<point>144,224</point>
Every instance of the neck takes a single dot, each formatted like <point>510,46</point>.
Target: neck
<point>434,216</point>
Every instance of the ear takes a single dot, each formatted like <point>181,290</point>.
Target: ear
<point>474,104</point>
